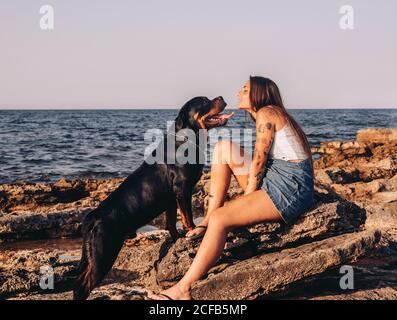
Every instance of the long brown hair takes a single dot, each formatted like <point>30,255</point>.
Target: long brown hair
<point>264,92</point>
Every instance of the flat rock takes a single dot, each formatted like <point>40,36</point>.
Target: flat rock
<point>325,220</point>
<point>42,225</point>
<point>264,274</point>
<point>54,210</point>
<point>381,216</point>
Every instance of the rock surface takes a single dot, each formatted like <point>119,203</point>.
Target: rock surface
<point>40,211</point>
<point>23,271</point>
<point>377,135</point>
<point>325,220</point>
<point>153,261</point>
<point>263,274</point>
<point>364,170</point>
<point>21,274</point>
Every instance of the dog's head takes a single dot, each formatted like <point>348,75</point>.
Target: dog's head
<point>202,113</point>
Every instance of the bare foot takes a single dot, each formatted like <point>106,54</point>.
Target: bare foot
<point>174,293</point>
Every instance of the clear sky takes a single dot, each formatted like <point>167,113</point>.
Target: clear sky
<point>158,54</point>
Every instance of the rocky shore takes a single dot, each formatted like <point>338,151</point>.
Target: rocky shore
<point>353,222</point>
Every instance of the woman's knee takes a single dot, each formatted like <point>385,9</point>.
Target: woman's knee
<point>218,219</point>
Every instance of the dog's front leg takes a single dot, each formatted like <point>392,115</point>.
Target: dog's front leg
<point>184,202</point>
<point>171,222</point>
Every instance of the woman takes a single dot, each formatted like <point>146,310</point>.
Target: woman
<point>277,181</point>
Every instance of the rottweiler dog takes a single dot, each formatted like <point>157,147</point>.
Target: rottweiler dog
<point>152,189</point>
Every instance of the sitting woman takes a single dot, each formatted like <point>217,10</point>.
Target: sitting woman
<point>277,181</point>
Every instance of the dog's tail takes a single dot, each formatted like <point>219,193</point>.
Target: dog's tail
<point>100,249</point>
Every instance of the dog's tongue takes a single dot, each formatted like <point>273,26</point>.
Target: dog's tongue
<point>219,119</point>
<point>226,116</point>
<point>223,117</point>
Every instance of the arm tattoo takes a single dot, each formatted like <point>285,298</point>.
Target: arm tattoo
<point>259,178</point>
<point>259,175</point>
<point>262,127</point>
<point>258,155</point>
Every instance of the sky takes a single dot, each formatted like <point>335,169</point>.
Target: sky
<point>159,54</point>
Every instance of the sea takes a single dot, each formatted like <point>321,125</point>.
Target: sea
<point>48,145</point>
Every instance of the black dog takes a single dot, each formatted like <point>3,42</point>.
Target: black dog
<point>145,194</point>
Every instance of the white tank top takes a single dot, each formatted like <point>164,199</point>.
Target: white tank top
<point>286,145</point>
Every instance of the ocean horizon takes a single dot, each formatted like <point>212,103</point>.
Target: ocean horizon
<point>47,145</point>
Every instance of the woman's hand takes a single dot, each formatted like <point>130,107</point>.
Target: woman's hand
<point>265,129</point>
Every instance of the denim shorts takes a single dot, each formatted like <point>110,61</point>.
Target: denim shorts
<point>290,186</point>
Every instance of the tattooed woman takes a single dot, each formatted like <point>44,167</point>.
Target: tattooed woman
<point>277,181</point>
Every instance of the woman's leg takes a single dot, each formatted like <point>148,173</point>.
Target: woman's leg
<point>228,158</point>
<point>247,210</point>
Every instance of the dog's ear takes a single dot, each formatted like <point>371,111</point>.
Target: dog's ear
<point>182,119</point>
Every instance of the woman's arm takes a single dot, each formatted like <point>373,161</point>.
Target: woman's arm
<point>265,129</point>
